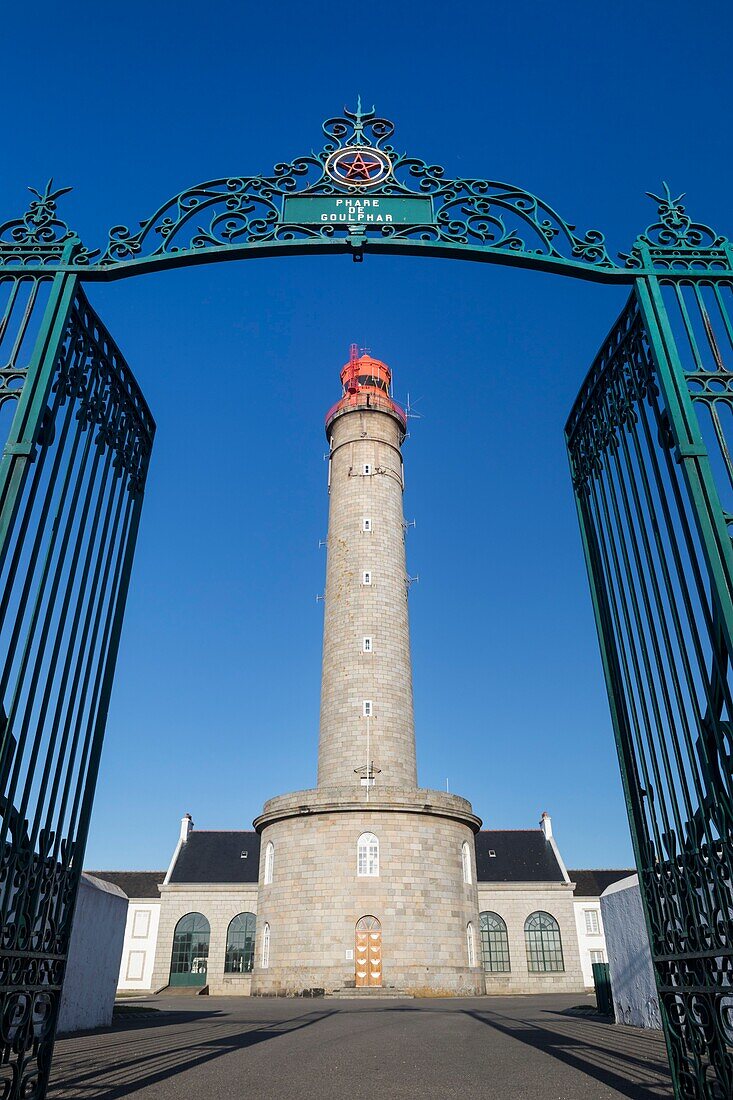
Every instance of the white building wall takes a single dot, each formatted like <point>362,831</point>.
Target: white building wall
<point>589,941</point>
<point>138,950</point>
<point>633,987</point>
<point>97,931</point>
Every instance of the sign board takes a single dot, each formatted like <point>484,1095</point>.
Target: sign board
<point>363,210</point>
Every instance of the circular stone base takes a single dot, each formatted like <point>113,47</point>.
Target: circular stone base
<point>419,897</point>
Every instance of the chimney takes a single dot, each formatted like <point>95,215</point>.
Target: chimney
<point>546,825</point>
<point>186,827</point>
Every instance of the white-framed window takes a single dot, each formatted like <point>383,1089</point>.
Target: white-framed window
<point>269,862</point>
<point>367,856</point>
<point>367,469</point>
<point>469,945</point>
<point>265,947</point>
<point>597,957</point>
<point>366,644</point>
<point>466,860</point>
<point>592,925</point>
<point>367,708</point>
<point>366,523</point>
<point>366,577</point>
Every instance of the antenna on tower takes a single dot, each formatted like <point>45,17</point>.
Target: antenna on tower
<point>409,410</point>
<point>352,378</point>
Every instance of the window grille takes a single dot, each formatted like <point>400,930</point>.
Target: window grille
<point>466,858</point>
<point>269,863</point>
<point>592,926</point>
<point>191,945</point>
<point>367,856</point>
<point>494,944</point>
<point>543,942</point>
<point>240,951</point>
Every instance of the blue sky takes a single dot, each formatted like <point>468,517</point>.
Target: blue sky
<point>215,706</point>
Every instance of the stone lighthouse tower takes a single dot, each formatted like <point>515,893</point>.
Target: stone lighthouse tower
<point>367,881</point>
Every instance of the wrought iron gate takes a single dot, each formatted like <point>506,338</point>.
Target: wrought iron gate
<point>71,487</point>
<point>649,457</point>
<point>647,444</point>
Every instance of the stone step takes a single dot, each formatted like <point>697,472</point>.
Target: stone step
<point>370,993</point>
<point>185,990</point>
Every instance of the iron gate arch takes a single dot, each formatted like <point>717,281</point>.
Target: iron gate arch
<point>652,475</point>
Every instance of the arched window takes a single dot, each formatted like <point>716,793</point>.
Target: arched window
<point>470,945</point>
<point>269,862</point>
<point>189,959</point>
<point>266,947</point>
<point>466,858</point>
<point>494,944</point>
<point>239,958</point>
<point>367,856</point>
<point>544,946</point>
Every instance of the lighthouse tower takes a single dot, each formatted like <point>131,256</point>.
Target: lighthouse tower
<point>367,718</point>
<point>367,881</point>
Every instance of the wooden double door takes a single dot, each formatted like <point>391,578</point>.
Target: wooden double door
<point>368,952</point>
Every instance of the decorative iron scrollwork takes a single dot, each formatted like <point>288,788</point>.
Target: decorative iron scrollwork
<point>483,217</point>
<point>248,209</point>
<point>40,234</point>
<point>676,241</point>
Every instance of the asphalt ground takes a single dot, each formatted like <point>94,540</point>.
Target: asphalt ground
<point>492,1048</point>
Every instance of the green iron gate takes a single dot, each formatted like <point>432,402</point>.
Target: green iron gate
<point>653,478</point>
<point>71,487</point>
<point>646,436</point>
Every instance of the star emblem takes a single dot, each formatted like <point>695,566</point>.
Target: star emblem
<point>359,167</point>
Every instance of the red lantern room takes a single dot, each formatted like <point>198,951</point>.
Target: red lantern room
<point>367,383</point>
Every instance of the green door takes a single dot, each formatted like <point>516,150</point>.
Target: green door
<point>190,956</point>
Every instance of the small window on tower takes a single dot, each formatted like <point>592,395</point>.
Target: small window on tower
<point>366,708</point>
<point>367,469</point>
<point>366,577</point>
<point>366,645</point>
<point>366,524</point>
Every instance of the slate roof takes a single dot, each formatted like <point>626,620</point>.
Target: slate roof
<point>136,884</point>
<point>521,855</point>
<point>591,884</point>
<point>216,856</point>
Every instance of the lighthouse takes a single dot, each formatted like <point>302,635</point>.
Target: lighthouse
<point>367,881</point>
<point>367,724</point>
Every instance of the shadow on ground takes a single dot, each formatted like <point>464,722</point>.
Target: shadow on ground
<point>139,1062</point>
<point>629,1060</point>
<point>491,1048</point>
